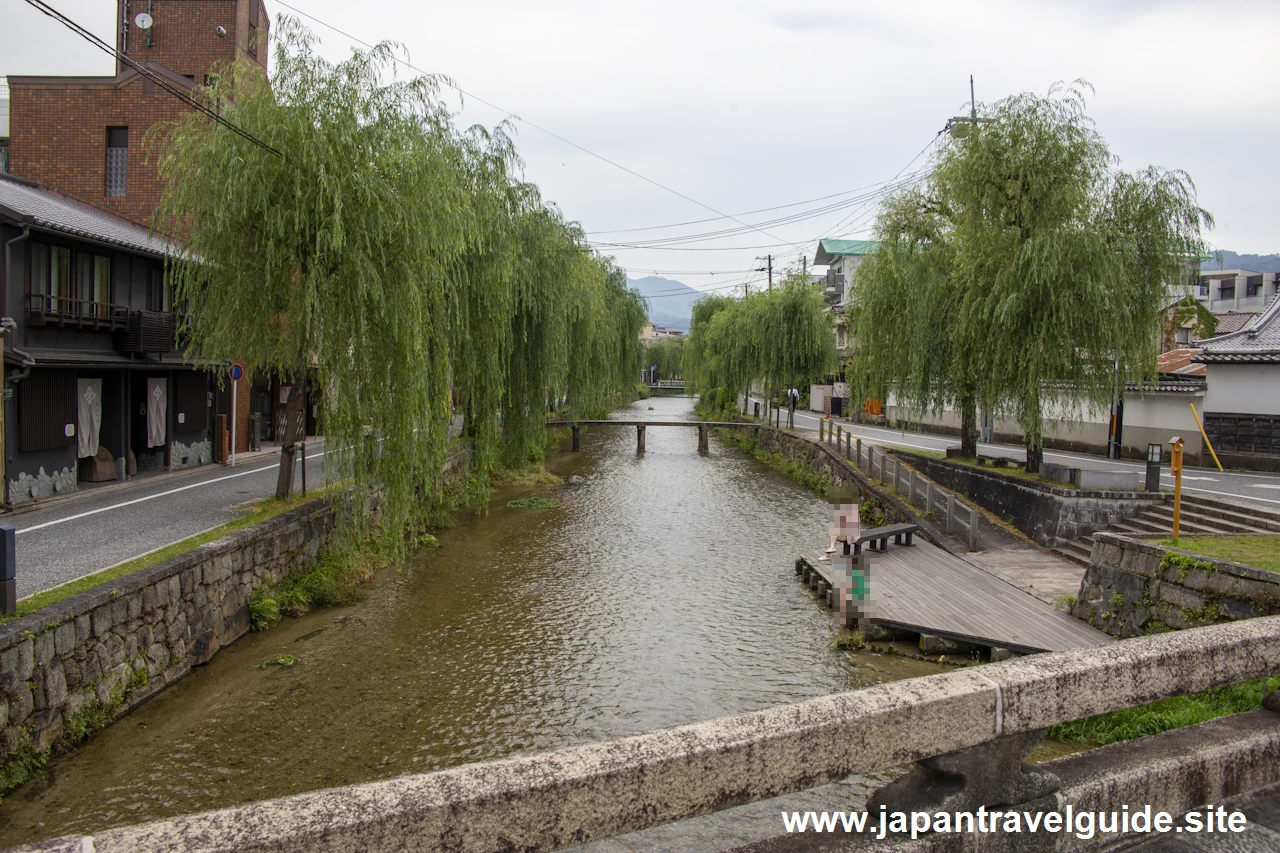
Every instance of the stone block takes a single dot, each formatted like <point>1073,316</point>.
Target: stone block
<point>1180,596</point>
<point>177,629</point>
<point>44,647</point>
<point>83,628</point>
<point>64,638</point>
<point>37,689</point>
<point>21,704</point>
<point>1172,616</point>
<point>157,659</point>
<point>110,682</point>
<point>150,599</point>
<point>1196,579</point>
<point>131,645</point>
<point>4,714</point>
<point>71,668</point>
<point>186,582</point>
<point>135,605</point>
<point>1234,608</point>
<point>236,625</point>
<point>102,621</point>
<point>46,728</point>
<point>16,664</point>
<point>1222,583</point>
<point>175,589</point>
<point>115,650</point>
<point>119,612</point>
<point>55,685</point>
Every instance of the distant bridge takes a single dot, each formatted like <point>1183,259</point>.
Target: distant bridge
<point>703,428</point>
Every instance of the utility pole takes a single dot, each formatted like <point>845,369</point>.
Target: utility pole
<point>768,267</point>
<point>960,126</point>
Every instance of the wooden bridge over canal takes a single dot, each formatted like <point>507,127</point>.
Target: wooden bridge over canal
<point>703,427</point>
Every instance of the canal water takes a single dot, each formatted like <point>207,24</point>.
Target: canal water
<point>660,590</point>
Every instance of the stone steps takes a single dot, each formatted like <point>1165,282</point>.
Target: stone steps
<point>1195,521</point>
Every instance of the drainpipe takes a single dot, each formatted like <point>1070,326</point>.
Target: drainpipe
<point>8,326</point>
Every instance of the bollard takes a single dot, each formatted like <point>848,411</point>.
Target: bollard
<point>8,570</point>
<point>857,460</point>
<point>1154,454</point>
<point>302,458</point>
<point>973,529</point>
<point>820,422</point>
<point>577,437</point>
<point>702,438</point>
<point>640,438</point>
<point>951,514</point>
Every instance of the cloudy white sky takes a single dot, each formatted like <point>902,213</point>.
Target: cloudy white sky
<point>749,104</point>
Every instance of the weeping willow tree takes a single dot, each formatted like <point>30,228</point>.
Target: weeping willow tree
<point>781,336</point>
<point>397,261</point>
<point>1044,267</point>
<point>668,355</point>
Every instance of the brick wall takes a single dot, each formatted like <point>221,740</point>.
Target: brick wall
<point>58,125</point>
<point>58,138</point>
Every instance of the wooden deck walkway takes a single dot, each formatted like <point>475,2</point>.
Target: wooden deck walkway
<point>925,590</point>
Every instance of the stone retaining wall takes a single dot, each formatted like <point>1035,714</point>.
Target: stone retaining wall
<point>1134,587</point>
<point>108,649</point>
<point>1051,516</point>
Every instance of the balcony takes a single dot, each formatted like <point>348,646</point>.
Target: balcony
<point>43,310</point>
<point>148,332</point>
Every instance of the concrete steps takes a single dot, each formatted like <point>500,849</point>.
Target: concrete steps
<point>1199,516</point>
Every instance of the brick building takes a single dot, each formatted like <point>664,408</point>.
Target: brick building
<point>88,140</point>
<point>88,137</point>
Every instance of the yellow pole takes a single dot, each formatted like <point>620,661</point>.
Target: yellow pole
<point>1196,415</point>
<point>1175,464</point>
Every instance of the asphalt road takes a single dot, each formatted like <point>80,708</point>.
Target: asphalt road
<point>1253,487</point>
<point>88,532</point>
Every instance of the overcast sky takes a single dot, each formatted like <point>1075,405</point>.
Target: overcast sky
<point>749,104</point>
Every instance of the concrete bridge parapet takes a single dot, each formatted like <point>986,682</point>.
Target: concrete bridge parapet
<point>548,801</point>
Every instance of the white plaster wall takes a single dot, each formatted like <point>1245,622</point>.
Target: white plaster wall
<point>1246,389</point>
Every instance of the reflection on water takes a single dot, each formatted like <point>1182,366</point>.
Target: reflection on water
<point>659,591</point>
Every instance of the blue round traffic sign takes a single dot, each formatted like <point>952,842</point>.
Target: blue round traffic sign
<point>236,371</point>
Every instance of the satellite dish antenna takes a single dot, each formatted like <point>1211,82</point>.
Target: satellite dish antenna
<point>143,21</point>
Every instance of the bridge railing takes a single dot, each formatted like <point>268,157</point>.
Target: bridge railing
<point>569,796</point>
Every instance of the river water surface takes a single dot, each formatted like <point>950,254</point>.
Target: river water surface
<point>659,591</point>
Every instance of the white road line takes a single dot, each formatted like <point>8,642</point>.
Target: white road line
<point>1263,486</point>
<point>1235,495</point>
<point>126,560</point>
<point>153,497</point>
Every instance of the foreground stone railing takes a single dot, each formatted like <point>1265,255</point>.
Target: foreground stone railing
<point>976,722</point>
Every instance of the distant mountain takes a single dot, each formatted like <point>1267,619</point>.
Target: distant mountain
<point>670,302</point>
<point>1232,261</point>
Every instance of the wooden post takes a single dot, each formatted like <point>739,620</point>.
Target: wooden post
<point>884,464</point>
<point>639,438</point>
<point>951,513</point>
<point>702,438</point>
<point>577,437</point>
<point>858,458</point>
<point>820,423</point>
<point>928,497</point>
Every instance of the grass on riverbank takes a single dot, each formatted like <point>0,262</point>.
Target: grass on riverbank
<point>261,511</point>
<point>1166,714</point>
<point>1016,472</point>
<point>1255,549</point>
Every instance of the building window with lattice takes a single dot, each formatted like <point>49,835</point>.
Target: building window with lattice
<point>117,160</point>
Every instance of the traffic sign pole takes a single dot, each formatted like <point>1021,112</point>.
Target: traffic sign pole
<point>236,371</point>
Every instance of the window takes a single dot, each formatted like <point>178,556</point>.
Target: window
<point>1204,287</point>
<point>1184,335</point>
<point>50,276</point>
<point>117,160</point>
<point>1227,290</point>
<point>1253,285</point>
<point>157,291</point>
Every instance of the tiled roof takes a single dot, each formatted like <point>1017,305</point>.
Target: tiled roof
<point>1257,342</point>
<point>829,250</point>
<point>1171,382</point>
<point>1179,361</point>
<point>1234,321</point>
<point>27,203</point>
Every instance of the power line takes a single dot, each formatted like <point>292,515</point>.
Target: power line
<point>448,82</point>
<point>169,87</point>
